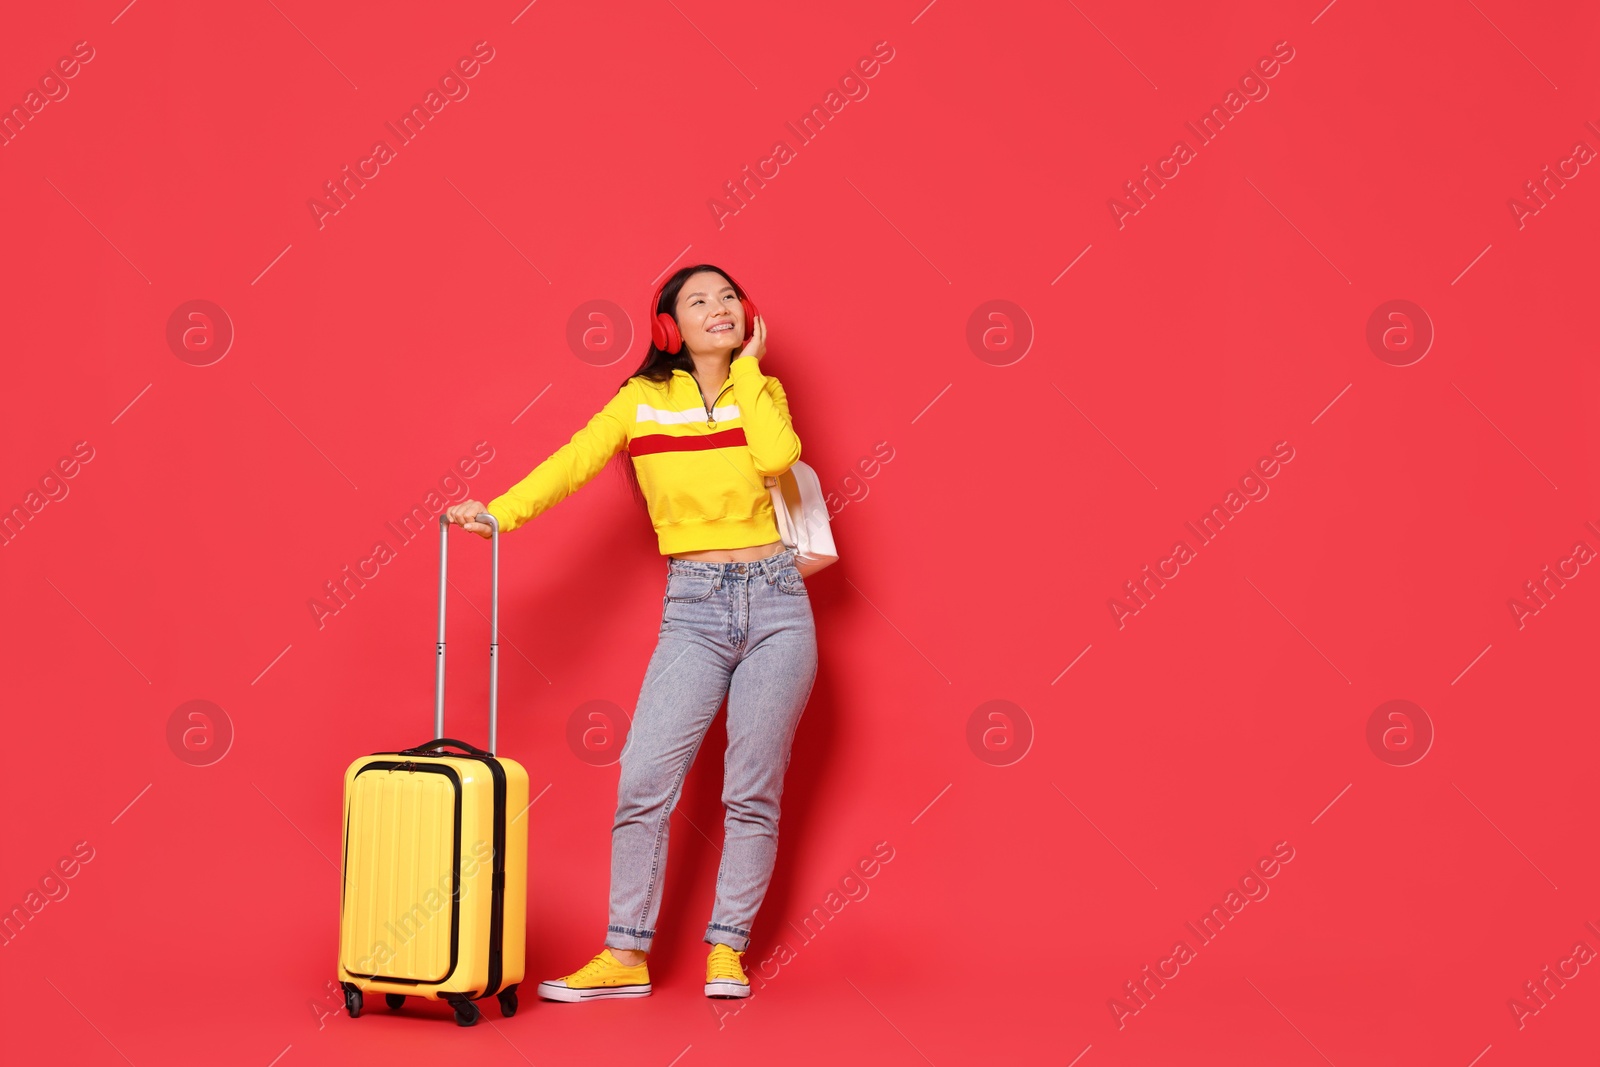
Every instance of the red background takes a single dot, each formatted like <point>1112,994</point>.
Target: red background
<point>1226,716</point>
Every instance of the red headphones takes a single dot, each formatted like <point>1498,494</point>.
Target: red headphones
<point>664,326</point>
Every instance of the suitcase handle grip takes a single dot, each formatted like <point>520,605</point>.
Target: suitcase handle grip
<point>423,750</point>
<point>494,629</point>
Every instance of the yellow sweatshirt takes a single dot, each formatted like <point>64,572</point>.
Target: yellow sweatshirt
<point>701,473</point>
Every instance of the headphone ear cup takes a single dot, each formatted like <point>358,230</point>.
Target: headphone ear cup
<point>664,333</point>
<point>750,314</point>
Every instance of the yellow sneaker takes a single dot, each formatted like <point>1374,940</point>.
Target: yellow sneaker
<point>725,973</point>
<point>603,976</point>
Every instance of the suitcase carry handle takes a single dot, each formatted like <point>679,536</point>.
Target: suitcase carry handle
<point>431,746</point>
<point>494,634</point>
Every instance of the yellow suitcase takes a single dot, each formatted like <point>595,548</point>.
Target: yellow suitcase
<point>435,875</point>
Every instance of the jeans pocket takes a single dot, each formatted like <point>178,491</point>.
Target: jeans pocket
<point>688,587</point>
<point>789,581</point>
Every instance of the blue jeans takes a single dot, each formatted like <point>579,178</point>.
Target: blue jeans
<point>743,631</point>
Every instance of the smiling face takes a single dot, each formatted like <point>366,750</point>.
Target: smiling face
<point>710,317</point>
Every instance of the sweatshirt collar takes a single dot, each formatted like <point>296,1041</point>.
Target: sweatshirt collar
<point>731,363</point>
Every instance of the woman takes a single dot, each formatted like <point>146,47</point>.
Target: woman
<point>702,426</point>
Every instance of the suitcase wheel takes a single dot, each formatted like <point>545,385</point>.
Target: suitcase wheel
<point>467,1013</point>
<point>352,1001</point>
<point>395,1000</point>
<point>508,1002</point>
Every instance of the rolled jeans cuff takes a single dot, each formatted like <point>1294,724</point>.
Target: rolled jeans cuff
<point>734,938</point>
<point>629,938</point>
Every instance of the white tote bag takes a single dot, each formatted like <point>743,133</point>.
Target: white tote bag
<point>802,513</point>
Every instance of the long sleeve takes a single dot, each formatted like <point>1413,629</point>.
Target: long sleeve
<point>764,412</point>
<point>570,467</point>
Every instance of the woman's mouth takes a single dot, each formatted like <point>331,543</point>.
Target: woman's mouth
<point>721,327</point>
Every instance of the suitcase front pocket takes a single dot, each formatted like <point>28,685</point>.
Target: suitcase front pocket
<point>400,918</point>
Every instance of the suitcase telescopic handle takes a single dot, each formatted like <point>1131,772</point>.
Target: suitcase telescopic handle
<point>494,633</point>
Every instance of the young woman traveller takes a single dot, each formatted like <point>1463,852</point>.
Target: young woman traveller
<point>702,425</point>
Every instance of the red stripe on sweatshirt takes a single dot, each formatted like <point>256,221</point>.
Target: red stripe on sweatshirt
<point>647,444</point>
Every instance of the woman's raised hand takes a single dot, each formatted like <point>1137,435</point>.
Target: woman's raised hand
<point>465,515</point>
<point>755,345</point>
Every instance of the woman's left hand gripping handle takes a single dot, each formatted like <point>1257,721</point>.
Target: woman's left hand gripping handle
<point>465,515</point>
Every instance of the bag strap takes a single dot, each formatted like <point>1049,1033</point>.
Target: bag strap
<point>780,508</point>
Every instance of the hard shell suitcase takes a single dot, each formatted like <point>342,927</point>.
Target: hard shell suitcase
<point>435,875</point>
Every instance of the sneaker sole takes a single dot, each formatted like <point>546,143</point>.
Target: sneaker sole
<point>552,991</point>
<point>727,990</point>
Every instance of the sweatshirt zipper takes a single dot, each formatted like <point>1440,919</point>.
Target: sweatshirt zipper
<point>711,421</point>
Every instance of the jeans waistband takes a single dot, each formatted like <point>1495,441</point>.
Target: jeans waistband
<point>771,565</point>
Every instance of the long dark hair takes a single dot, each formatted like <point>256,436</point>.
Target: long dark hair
<point>658,363</point>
